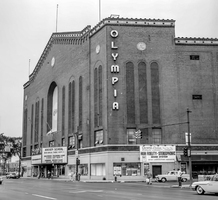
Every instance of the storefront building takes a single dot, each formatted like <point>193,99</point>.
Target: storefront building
<point>93,91</point>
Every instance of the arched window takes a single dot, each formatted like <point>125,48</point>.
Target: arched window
<point>63,111</point>
<point>143,97</point>
<point>155,91</point>
<point>52,109</point>
<point>98,96</point>
<point>130,93</point>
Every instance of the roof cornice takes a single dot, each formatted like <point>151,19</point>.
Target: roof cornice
<point>132,22</point>
<point>196,41</point>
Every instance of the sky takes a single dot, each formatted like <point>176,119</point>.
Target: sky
<point>27,25</point>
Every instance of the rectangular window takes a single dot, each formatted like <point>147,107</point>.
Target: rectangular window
<point>127,169</point>
<point>51,143</point>
<point>131,139</point>
<point>156,136</point>
<point>83,169</point>
<point>194,57</point>
<point>71,142</point>
<point>99,138</point>
<point>63,143</point>
<point>98,169</point>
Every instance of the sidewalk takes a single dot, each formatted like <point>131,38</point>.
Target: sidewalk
<point>155,184</point>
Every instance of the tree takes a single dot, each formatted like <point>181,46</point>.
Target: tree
<point>14,143</point>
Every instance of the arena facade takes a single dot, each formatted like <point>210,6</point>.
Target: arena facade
<point>102,94</point>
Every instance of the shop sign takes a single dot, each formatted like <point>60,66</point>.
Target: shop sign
<point>157,153</point>
<point>54,155</point>
<point>36,159</point>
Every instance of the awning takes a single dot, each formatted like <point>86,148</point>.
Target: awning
<point>204,158</point>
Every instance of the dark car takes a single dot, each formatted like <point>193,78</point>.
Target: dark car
<point>12,175</point>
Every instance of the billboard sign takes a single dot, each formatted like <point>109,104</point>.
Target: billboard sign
<point>157,153</point>
<point>36,159</point>
<point>54,155</point>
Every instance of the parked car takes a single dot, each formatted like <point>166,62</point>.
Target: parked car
<point>12,175</point>
<point>171,176</point>
<point>1,180</point>
<point>206,186</point>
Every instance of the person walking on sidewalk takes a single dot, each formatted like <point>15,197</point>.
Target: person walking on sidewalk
<point>149,178</point>
<point>179,177</point>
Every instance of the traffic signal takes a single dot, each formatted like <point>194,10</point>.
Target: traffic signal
<point>185,151</point>
<point>138,134</point>
<point>77,161</point>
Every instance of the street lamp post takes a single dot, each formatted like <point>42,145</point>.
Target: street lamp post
<point>189,146</point>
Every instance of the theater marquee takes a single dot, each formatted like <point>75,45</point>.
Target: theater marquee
<point>157,153</point>
<point>54,155</point>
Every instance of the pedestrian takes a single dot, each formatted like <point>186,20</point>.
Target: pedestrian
<point>149,178</point>
<point>39,175</point>
<point>179,175</point>
<point>49,174</point>
<point>71,176</point>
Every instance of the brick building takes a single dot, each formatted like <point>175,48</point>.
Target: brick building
<point>94,89</point>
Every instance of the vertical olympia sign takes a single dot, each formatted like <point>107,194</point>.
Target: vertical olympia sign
<point>114,68</point>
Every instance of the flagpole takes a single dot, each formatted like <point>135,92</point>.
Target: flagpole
<point>99,10</point>
<point>29,67</point>
<point>57,18</point>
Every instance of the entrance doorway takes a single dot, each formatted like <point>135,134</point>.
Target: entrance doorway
<point>156,169</point>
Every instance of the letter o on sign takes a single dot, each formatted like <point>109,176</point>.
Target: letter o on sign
<point>114,33</point>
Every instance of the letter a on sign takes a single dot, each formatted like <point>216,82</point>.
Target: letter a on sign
<point>115,106</point>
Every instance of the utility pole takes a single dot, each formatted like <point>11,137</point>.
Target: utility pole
<point>189,146</point>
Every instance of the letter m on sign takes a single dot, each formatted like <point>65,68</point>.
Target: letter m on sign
<point>115,69</point>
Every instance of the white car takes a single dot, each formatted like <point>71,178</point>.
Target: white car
<point>172,176</point>
<point>1,180</point>
<point>206,186</point>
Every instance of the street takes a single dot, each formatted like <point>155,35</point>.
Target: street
<point>34,189</point>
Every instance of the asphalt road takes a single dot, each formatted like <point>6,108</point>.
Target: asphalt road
<point>29,189</point>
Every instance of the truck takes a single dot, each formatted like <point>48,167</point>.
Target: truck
<point>171,176</point>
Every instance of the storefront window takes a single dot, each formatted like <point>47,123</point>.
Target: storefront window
<point>71,168</point>
<point>83,169</point>
<point>98,169</point>
<point>127,169</point>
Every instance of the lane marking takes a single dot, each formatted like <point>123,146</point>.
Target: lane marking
<point>43,196</point>
<point>83,191</point>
